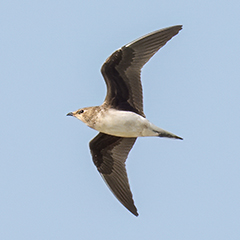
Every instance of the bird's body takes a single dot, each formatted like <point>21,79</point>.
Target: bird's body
<point>120,123</point>
<point>120,119</point>
<point>124,124</point>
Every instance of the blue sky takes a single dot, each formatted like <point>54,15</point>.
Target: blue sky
<point>51,55</point>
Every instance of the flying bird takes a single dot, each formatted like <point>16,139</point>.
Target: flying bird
<point>120,119</point>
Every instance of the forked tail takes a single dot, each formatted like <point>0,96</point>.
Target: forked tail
<point>162,133</point>
<point>168,135</point>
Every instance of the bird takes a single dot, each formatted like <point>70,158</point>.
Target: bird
<point>120,120</point>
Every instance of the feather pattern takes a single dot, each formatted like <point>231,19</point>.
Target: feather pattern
<point>122,69</point>
<point>109,154</point>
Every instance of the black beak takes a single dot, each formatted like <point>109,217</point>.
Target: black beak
<point>70,114</point>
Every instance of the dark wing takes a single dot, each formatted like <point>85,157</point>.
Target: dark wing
<point>122,69</point>
<point>109,154</point>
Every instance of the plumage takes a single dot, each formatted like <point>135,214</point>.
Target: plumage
<point>122,69</point>
<point>120,119</point>
<point>109,154</point>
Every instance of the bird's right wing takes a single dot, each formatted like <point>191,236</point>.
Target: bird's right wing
<point>109,154</point>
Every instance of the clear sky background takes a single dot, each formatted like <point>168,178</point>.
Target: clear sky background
<point>51,53</point>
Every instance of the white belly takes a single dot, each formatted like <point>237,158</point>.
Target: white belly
<point>123,124</point>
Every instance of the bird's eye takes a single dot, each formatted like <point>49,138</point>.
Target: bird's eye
<point>81,111</point>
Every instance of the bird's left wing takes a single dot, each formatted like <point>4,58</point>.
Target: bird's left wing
<point>122,69</point>
<point>109,154</point>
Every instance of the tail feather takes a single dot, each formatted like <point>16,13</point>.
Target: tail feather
<point>163,133</point>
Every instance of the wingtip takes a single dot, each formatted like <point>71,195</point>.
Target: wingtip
<point>178,27</point>
<point>134,212</point>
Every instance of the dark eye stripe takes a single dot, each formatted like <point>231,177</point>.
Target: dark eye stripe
<point>81,111</point>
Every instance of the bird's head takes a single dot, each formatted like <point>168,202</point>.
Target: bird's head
<point>81,114</point>
<point>86,115</point>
